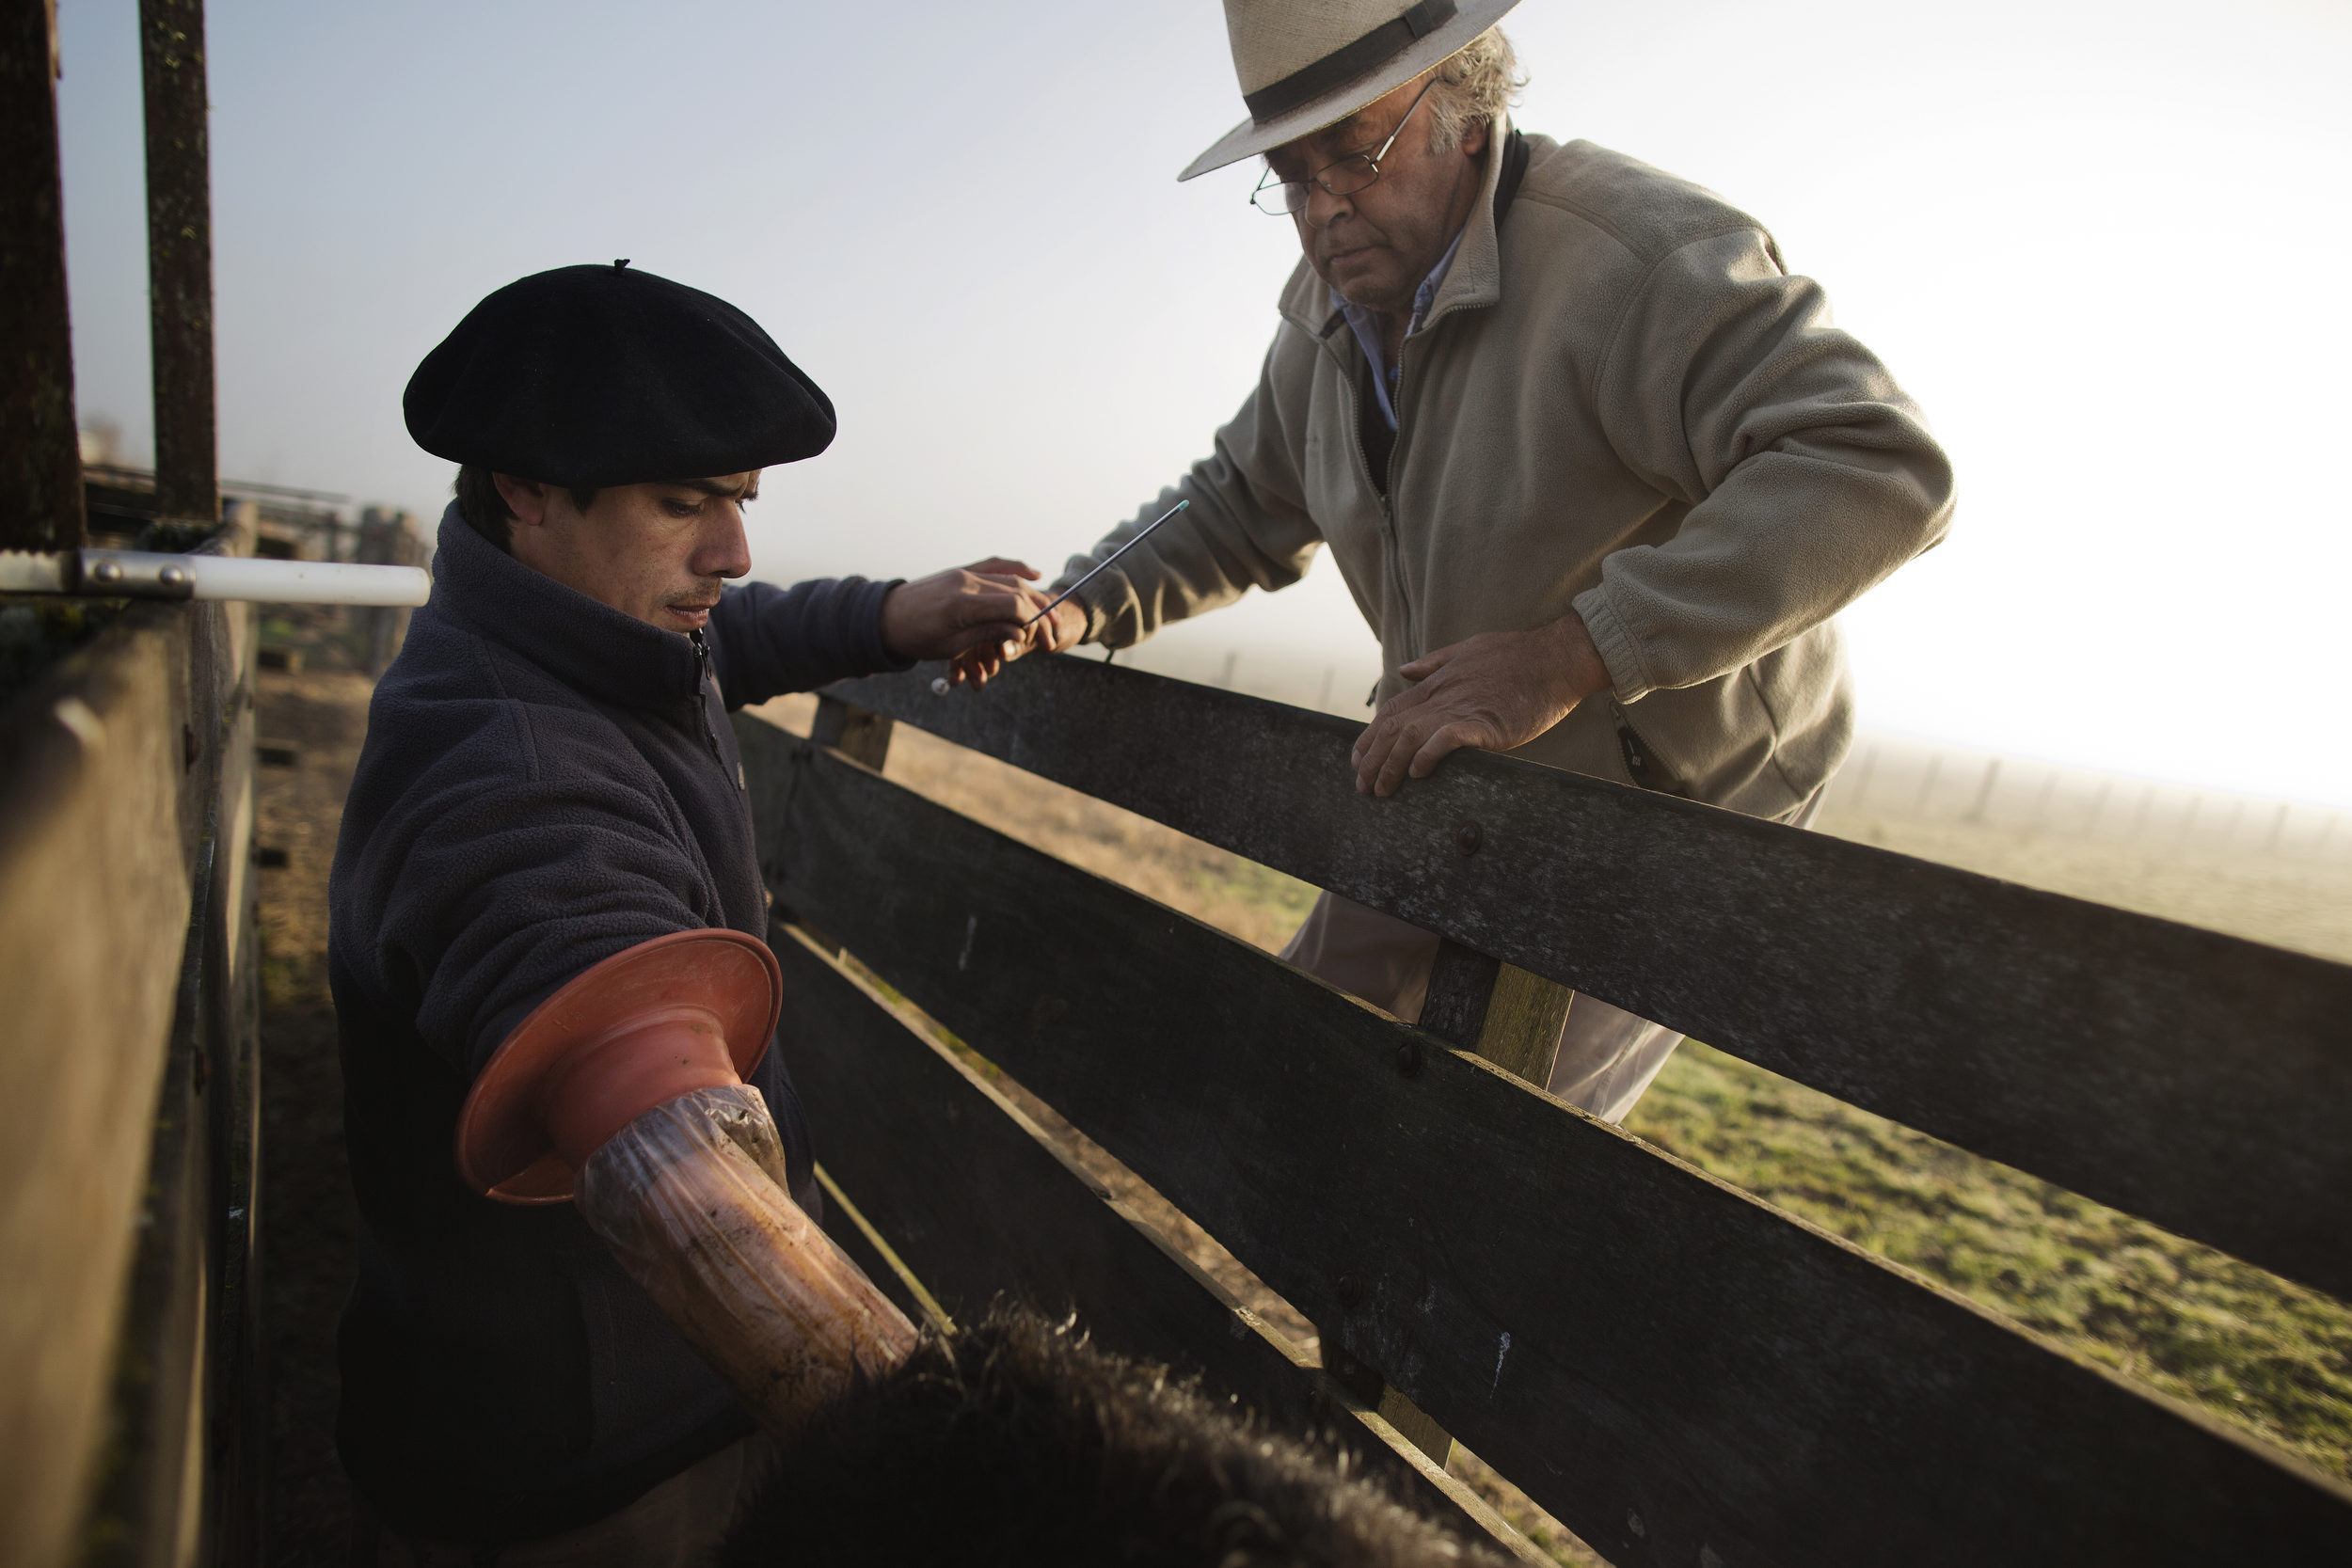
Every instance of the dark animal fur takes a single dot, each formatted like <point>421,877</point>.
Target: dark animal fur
<point>1019,1443</point>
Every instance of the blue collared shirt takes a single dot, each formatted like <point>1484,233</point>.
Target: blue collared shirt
<point>1368,331</point>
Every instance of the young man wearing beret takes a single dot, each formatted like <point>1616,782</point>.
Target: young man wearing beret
<point>550,779</point>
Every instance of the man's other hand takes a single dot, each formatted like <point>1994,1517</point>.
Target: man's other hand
<point>972,614</point>
<point>1493,691</point>
<point>1064,628</point>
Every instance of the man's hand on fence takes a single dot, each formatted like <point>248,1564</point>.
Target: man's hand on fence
<point>1493,691</point>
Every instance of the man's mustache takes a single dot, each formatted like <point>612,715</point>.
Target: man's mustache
<point>1331,242</point>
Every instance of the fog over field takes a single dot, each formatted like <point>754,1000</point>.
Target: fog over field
<point>2270,869</point>
<point>2097,239</point>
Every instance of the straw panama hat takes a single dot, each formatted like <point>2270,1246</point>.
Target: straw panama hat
<point>1305,64</point>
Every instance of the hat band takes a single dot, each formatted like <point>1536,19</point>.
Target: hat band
<point>1348,62</point>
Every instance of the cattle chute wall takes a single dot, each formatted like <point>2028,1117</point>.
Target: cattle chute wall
<point>1679,1372</point>
<point>130,1422</point>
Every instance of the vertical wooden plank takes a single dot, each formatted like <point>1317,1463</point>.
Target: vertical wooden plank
<point>856,733</point>
<point>1520,1033</point>
<point>180,257</point>
<point>1513,1019</point>
<point>95,901</point>
<point>152,1499</point>
<point>860,734</point>
<point>1461,983</point>
<point>238,1405</point>
<point>40,463</point>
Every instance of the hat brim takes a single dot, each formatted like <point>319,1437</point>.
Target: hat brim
<point>1249,138</point>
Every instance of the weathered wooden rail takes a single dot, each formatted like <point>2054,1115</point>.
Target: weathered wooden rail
<point>129,1426</point>
<point>1681,1374</point>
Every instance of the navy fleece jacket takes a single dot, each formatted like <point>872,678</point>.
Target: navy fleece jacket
<point>546,781</point>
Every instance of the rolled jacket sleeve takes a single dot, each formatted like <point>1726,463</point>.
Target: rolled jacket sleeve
<point>1808,474</point>
<point>1247,528</point>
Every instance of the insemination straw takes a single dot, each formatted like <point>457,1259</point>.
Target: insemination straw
<point>1105,562</point>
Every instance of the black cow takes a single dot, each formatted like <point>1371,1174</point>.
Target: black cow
<point>1017,1442</point>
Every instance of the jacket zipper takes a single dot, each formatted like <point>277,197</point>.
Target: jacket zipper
<point>1388,498</point>
<point>1643,765</point>
<point>702,699</point>
<point>1387,510</point>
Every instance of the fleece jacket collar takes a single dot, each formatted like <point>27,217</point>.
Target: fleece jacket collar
<point>591,647</point>
<point>1473,281</point>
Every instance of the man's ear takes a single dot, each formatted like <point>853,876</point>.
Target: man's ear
<point>525,497</point>
<point>1475,135</point>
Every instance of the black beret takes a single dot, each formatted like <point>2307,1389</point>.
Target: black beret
<point>593,375</point>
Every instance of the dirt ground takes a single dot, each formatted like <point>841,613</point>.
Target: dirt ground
<point>320,717</point>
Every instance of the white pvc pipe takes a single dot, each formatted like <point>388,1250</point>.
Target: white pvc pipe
<point>232,576</point>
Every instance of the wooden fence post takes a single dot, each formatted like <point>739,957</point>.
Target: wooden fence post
<point>180,258</point>
<point>857,733</point>
<point>862,736</point>
<point>1496,1010</point>
<point>1513,1019</point>
<point>40,461</point>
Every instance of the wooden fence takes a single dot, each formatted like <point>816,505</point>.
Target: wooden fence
<point>130,1422</point>
<point>130,1426</point>
<point>1679,1372</point>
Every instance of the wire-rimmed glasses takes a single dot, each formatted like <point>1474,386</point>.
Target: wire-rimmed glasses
<point>1284,199</point>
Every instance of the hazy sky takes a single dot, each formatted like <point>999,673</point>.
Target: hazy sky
<point>2101,243</point>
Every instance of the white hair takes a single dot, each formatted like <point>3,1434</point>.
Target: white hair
<point>1473,84</point>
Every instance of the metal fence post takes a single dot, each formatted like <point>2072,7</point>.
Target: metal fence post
<point>40,463</point>
<point>180,258</point>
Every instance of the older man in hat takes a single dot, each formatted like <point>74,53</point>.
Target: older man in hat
<point>1596,466</point>
<point>549,780</point>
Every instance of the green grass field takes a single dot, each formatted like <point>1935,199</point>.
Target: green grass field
<point>2265,1354</point>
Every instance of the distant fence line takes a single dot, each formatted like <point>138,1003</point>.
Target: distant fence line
<point>1891,778</point>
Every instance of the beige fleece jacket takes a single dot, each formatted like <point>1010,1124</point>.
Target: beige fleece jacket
<point>1622,405</point>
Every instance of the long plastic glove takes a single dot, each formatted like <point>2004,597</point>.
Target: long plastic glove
<point>690,1199</point>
